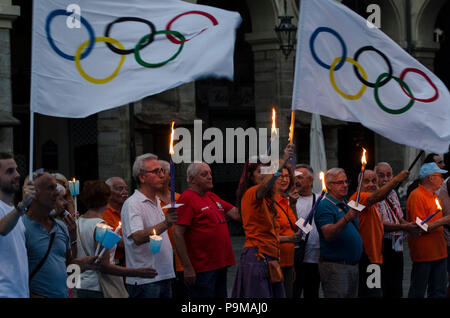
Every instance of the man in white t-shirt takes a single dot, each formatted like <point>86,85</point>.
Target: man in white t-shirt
<point>142,217</point>
<point>306,269</point>
<point>13,253</point>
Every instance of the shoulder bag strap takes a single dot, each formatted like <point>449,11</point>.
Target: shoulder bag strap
<point>287,216</point>
<point>38,267</point>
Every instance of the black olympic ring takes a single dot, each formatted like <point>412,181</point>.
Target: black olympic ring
<point>126,19</point>
<point>371,48</point>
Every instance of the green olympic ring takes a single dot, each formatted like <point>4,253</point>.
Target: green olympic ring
<point>144,40</point>
<point>390,110</point>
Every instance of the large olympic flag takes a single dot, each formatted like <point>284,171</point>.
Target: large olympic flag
<point>349,70</point>
<point>93,55</point>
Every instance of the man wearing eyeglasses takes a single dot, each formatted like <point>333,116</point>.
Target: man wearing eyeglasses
<point>142,217</point>
<point>340,241</point>
<point>201,235</point>
<point>428,251</point>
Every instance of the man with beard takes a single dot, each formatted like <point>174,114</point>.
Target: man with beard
<point>51,243</point>
<point>13,259</point>
<point>119,194</point>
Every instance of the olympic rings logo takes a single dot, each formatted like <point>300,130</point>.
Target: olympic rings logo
<point>115,46</point>
<point>360,73</point>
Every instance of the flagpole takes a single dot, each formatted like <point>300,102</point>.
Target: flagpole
<point>30,172</point>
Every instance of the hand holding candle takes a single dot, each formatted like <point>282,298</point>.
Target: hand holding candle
<point>109,241</point>
<point>423,224</point>
<point>74,187</point>
<point>355,204</point>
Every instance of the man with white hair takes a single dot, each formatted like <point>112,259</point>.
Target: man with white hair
<point>112,215</point>
<point>394,226</point>
<point>340,241</point>
<point>142,217</point>
<point>201,235</point>
<point>428,251</point>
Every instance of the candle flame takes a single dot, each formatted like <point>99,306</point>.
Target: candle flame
<point>73,179</point>
<point>120,224</point>
<point>274,129</point>
<point>322,177</point>
<point>154,232</point>
<point>291,128</point>
<point>437,204</point>
<point>363,158</point>
<point>171,140</point>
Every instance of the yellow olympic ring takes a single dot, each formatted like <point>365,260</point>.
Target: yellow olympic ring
<point>333,83</point>
<point>84,74</point>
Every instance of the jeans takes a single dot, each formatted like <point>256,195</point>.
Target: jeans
<point>429,277</point>
<point>288,275</point>
<point>211,284</point>
<point>339,280</point>
<point>160,289</point>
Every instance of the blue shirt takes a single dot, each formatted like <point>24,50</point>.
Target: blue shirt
<point>347,246</point>
<point>51,280</point>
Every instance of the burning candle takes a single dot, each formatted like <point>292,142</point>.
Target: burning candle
<point>172,169</point>
<point>291,137</point>
<point>118,227</point>
<point>109,241</point>
<point>313,209</point>
<point>273,131</point>
<point>155,242</point>
<point>361,178</point>
<point>439,209</point>
<point>74,187</point>
<point>100,232</point>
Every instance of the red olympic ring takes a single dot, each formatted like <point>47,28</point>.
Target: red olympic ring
<point>205,14</point>
<point>415,70</point>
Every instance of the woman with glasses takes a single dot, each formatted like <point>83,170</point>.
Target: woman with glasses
<point>288,230</point>
<point>262,238</point>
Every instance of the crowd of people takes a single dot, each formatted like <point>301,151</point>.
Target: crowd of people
<point>347,252</point>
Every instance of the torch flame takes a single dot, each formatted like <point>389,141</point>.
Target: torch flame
<point>363,158</point>
<point>291,128</point>
<point>171,140</point>
<point>274,129</point>
<point>322,177</point>
<point>437,204</point>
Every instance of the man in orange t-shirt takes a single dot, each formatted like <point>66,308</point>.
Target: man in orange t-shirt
<point>428,251</point>
<point>119,194</point>
<point>371,229</point>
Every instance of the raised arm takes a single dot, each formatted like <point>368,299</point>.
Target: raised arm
<point>384,191</point>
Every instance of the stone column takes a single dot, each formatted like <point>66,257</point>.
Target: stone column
<point>274,76</point>
<point>114,144</point>
<point>8,13</point>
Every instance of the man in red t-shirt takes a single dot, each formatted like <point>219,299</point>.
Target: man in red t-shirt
<point>201,235</point>
<point>371,229</point>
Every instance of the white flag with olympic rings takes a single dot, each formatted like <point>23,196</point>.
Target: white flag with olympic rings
<point>93,55</point>
<point>348,70</point>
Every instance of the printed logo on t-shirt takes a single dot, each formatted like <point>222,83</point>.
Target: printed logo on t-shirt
<point>203,209</point>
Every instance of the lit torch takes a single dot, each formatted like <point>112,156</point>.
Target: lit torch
<point>274,129</point>
<point>313,209</point>
<point>361,178</point>
<point>172,168</point>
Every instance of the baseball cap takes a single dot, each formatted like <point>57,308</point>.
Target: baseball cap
<point>430,168</point>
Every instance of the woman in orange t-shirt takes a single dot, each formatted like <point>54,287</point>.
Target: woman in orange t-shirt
<point>286,220</point>
<point>257,208</point>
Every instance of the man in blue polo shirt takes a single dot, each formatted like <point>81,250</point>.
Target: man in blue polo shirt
<point>340,241</point>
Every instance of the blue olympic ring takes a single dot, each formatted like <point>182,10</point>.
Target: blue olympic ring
<point>314,55</point>
<point>56,13</point>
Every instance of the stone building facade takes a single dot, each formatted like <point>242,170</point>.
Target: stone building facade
<point>105,144</point>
